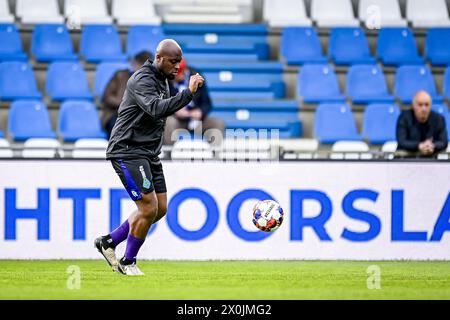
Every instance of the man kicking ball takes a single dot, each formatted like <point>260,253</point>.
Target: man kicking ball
<point>134,146</point>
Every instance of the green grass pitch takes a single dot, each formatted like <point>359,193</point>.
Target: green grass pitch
<point>252,280</point>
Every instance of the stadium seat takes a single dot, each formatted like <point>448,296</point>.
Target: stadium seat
<point>245,147</point>
<point>367,84</point>
<point>221,57</point>
<point>376,14</point>
<point>105,71</point>
<point>380,122</point>
<point>333,13</point>
<point>427,14</point>
<point>90,148</point>
<point>24,85</point>
<point>134,12</point>
<point>67,80</point>
<point>318,83</point>
<point>301,45</point>
<point>187,149</point>
<point>437,50</point>
<point>42,148</point>
<point>101,43</point>
<point>52,42</point>
<point>442,109</point>
<point>79,119</point>
<point>38,11</point>
<point>299,148</point>
<point>207,11</point>
<point>350,150</point>
<point>29,119</point>
<point>349,46</point>
<point>411,79</point>
<point>287,13</point>
<point>5,13</point>
<point>227,81</point>
<point>86,12</point>
<point>397,46</point>
<point>11,48</point>
<point>446,83</point>
<point>389,146</point>
<point>5,149</point>
<point>143,38</point>
<point>334,122</point>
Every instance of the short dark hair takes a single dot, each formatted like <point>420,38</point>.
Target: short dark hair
<point>142,56</point>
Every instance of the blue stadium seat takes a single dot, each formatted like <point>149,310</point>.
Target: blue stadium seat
<point>105,71</point>
<point>11,48</point>
<point>17,81</point>
<point>334,122</point>
<point>241,95</point>
<point>277,107</point>
<point>442,109</point>
<point>396,46</point>
<point>143,38</point>
<point>225,44</point>
<point>67,80</point>
<point>446,83</point>
<point>380,122</point>
<point>101,43</point>
<point>29,119</point>
<point>281,115</point>
<point>221,57</point>
<point>411,79</point>
<point>349,46</point>
<point>301,45</point>
<point>366,83</point>
<point>288,124</point>
<point>79,119</point>
<point>52,42</point>
<point>437,50</point>
<point>226,81</point>
<point>266,67</point>
<point>220,29</point>
<point>318,83</point>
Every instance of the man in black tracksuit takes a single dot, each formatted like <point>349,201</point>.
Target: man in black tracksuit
<point>134,146</point>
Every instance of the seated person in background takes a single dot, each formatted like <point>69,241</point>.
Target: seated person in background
<point>194,117</point>
<point>420,131</point>
<point>115,89</point>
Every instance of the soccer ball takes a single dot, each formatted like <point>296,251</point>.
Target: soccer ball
<point>267,215</point>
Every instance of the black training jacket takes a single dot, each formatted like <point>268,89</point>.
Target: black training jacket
<point>145,105</point>
<point>409,131</point>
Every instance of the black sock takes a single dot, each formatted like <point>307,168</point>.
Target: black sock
<point>107,242</point>
<point>125,261</point>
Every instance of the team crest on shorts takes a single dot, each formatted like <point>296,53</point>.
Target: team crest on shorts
<point>146,183</point>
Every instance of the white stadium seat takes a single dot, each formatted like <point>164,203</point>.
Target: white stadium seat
<point>285,13</point>
<point>333,13</point>
<point>87,11</point>
<point>350,150</point>
<point>38,11</point>
<point>191,149</point>
<point>5,13</point>
<point>376,14</point>
<point>389,147</point>
<point>241,148</point>
<point>206,11</point>
<point>133,12</point>
<point>427,13</point>
<point>90,148</point>
<point>5,149</point>
<point>301,148</point>
<point>42,148</point>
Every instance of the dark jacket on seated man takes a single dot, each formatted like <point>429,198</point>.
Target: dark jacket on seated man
<point>410,132</point>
